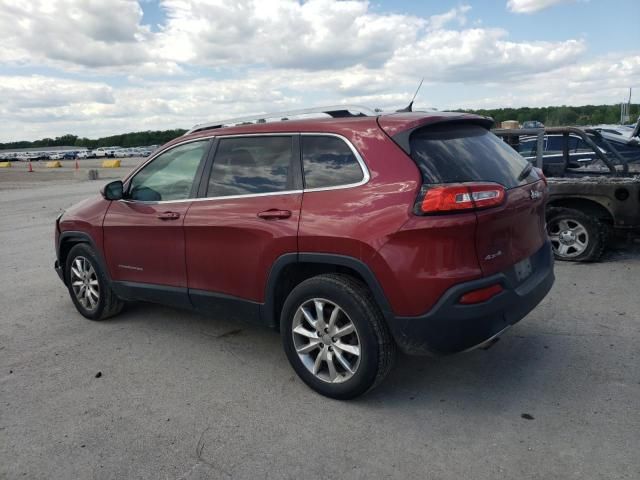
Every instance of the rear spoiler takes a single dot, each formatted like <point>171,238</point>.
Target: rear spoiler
<point>401,132</point>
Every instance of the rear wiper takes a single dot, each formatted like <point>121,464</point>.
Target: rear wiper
<point>525,172</point>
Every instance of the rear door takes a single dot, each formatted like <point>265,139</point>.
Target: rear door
<point>247,218</point>
<point>458,153</point>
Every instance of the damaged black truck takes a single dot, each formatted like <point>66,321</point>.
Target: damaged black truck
<point>594,191</point>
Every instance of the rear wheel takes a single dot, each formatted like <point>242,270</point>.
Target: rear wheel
<point>335,337</point>
<point>88,285</point>
<point>575,236</point>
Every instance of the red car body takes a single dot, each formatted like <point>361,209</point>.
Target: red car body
<point>241,255</point>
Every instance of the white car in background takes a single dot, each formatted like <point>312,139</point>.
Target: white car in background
<point>100,152</point>
<point>56,156</point>
<point>123,153</point>
<point>105,151</point>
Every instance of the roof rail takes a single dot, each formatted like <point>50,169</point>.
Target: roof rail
<point>335,111</point>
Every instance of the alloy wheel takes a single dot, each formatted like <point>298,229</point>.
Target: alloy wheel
<point>326,340</point>
<point>569,238</point>
<point>84,282</point>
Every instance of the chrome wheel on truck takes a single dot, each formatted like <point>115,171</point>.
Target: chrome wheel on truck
<point>326,340</point>
<point>574,235</point>
<point>568,237</point>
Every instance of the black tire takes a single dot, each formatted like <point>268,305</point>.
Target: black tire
<point>377,348</point>
<point>594,240</point>
<point>108,304</point>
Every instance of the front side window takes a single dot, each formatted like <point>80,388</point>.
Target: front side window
<point>251,165</point>
<point>170,175</point>
<point>328,162</point>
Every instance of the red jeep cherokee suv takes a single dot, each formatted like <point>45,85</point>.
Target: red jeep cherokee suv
<point>353,235</point>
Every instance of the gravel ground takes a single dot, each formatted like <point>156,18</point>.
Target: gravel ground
<point>161,393</point>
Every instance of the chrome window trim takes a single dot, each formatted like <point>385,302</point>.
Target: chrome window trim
<point>363,167</point>
<point>202,199</point>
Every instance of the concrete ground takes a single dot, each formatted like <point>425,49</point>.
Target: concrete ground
<point>18,177</point>
<point>160,393</point>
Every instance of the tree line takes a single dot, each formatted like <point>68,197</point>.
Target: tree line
<point>561,116</point>
<point>132,139</point>
<point>550,116</point>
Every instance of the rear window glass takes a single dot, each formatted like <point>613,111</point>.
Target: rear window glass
<point>328,162</point>
<point>251,165</point>
<point>467,153</point>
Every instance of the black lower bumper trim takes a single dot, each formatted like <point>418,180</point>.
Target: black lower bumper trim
<point>450,327</point>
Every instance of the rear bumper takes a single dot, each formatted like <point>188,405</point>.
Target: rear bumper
<point>450,327</point>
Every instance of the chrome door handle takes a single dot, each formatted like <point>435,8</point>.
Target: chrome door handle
<point>168,216</point>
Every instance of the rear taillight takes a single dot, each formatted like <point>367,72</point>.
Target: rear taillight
<point>480,295</point>
<point>459,197</point>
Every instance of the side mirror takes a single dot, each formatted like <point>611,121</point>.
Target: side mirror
<point>113,190</point>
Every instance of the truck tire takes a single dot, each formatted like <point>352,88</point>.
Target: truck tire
<point>335,336</point>
<point>576,236</point>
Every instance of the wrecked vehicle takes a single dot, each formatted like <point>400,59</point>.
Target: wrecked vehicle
<point>593,195</point>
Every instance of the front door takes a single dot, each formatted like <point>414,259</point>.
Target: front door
<point>248,218</point>
<point>143,233</point>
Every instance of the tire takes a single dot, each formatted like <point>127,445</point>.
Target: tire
<point>369,336</point>
<point>93,306</point>
<point>575,236</point>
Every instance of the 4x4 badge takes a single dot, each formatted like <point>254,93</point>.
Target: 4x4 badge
<point>535,194</point>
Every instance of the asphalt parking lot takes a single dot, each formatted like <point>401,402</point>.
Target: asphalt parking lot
<point>160,393</point>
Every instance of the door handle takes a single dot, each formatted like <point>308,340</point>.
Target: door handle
<point>274,214</point>
<point>168,216</point>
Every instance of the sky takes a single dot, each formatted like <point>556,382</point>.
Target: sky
<point>102,67</point>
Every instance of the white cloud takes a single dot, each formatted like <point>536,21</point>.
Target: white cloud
<point>531,6</point>
<point>312,35</point>
<point>602,80</point>
<point>480,55</point>
<point>107,73</point>
<point>87,33</point>
<point>457,14</point>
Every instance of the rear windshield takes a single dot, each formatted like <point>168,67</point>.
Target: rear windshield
<point>449,153</point>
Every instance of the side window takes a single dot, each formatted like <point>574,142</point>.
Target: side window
<point>328,162</point>
<point>170,175</point>
<point>251,165</point>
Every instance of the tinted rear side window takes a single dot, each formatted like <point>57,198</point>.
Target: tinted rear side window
<point>328,162</point>
<point>251,165</point>
<point>467,153</point>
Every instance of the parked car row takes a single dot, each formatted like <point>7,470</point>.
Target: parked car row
<point>101,152</point>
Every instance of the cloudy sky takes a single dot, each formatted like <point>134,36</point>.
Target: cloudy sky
<point>100,67</point>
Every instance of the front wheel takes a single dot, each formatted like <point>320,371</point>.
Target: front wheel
<point>575,236</point>
<point>335,337</point>
<point>88,285</point>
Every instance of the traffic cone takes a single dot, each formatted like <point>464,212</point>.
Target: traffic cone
<point>30,167</point>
